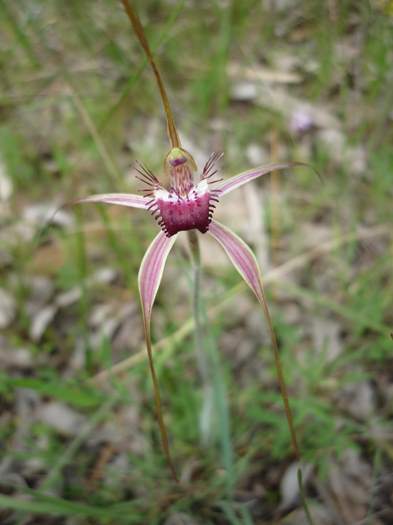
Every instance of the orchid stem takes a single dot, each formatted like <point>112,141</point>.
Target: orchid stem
<point>200,328</point>
<point>214,392</point>
<point>197,307</point>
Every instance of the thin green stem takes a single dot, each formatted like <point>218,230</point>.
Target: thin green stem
<point>196,305</point>
<point>210,368</point>
<point>199,322</point>
<point>199,331</point>
<point>303,497</point>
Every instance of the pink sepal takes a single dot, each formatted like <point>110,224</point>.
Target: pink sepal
<point>151,270</point>
<point>238,180</point>
<point>122,199</point>
<point>149,278</point>
<point>240,255</point>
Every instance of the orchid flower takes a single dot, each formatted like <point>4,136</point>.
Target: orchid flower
<point>187,204</point>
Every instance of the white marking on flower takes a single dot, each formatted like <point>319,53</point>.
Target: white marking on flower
<point>164,195</point>
<point>201,188</point>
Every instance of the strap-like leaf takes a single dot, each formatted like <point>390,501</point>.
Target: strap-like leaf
<point>149,278</point>
<point>122,199</point>
<point>246,264</point>
<point>242,178</point>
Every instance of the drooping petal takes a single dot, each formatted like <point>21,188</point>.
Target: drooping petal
<point>151,270</point>
<point>149,278</point>
<point>122,199</point>
<point>242,178</point>
<point>240,255</point>
<point>246,264</point>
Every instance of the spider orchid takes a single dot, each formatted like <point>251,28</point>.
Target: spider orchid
<point>188,204</point>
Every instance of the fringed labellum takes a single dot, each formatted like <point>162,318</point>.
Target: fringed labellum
<point>190,201</point>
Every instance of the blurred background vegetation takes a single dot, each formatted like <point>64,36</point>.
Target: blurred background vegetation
<point>260,80</point>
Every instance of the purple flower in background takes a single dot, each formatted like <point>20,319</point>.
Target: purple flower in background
<point>301,121</point>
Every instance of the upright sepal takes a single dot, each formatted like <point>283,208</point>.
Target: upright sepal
<point>149,278</point>
<point>246,264</point>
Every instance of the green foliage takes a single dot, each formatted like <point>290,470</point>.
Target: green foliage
<point>16,155</point>
<point>77,394</point>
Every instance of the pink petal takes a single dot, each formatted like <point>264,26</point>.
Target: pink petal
<point>238,180</point>
<point>149,278</point>
<point>122,199</point>
<point>246,264</point>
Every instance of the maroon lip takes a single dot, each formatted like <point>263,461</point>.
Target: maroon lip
<point>185,214</point>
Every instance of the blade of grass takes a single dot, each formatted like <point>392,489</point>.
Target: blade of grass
<point>52,506</point>
<point>67,454</point>
<point>303,497</point>
<point>110,165</point>
<point>86,430</point>
<point>230,514</point>
<point>377,464</point>
<point>84,303</point>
